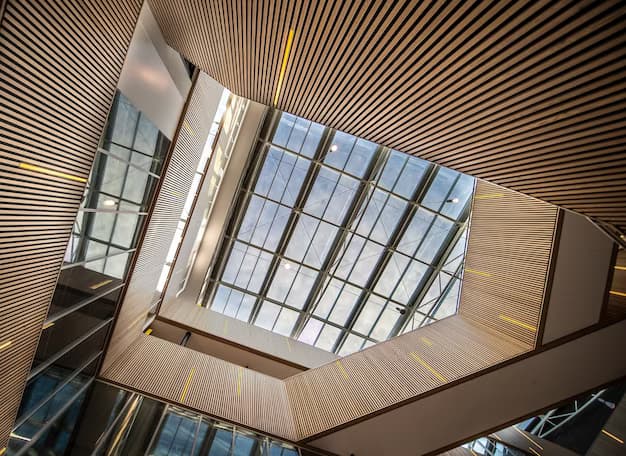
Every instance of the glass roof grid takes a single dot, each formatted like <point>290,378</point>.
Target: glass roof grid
<point>298,203</point>
<point>330,235</point>
<point>401,227</point>
<point>332,258</point>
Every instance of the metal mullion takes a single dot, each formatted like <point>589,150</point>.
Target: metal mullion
<point>81,263</point>
<point>241,204</point>
<point>58,388</point>
<point>305,191</point>
<point>351,215</point>
<point>128,162</point>
<point>390,248</point>
<point>441,258</point>
<point>259,296</point>
<point>442,296</point>
<point>68,348</point>
<point>54,418</point>
<point>74,308</point>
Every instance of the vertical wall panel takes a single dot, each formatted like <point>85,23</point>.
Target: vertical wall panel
<point>59,66</point>
<point>507,261</point>
<point>189,143</point>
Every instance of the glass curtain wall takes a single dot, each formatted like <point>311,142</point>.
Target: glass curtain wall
<point>113,209</point>
<point>339,242</point>
<point>118,422</point>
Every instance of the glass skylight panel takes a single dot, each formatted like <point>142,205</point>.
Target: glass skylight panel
<point>342,243</point>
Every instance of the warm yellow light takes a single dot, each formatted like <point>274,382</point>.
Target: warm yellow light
<point>620,268</point>
<point>341,369</point>
<point>184,393</point>
<point>48,325</point>
<point>239,377</point>
<point>523,434</point>
<point>188,127</point>
<point>517,322</point>
<point>148,331</point>
<point>614,437</point>
<point>5,344</point>
<point>533,451</point>
<point>426,341</point>
<point>480,273</point>
<point>283,67</point>
<point>95,286</point>
<point>51,172</point>
<point>428,366</point>
<point>617,293</point>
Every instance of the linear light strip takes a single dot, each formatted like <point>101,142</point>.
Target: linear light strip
<point>342,369</point>
<point>283,67</point>
<point>239,378</point>
<point>187,383</point>
<point>517,322</point>
<point>428,366</point>
<point>523,434</point>
<point>489,195</point>
<point>51,172</point>
<point>617,293</point>
<point>480,273</point>
<point>614,437</point>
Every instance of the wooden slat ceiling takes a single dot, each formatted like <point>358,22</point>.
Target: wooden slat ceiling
<point>526,94</point>
<point>59,66</point>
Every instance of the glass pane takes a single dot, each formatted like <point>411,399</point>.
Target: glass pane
<point>411,176</point>
<point>437,194</point>
<point>415,232</point>
<point>385,323</point>
<point>246,267</point>
<point>77,284</point>
<point>392,273</point>
<point>281,176</point>
<point>352,344</point>
<point>311,331</point>
<point>328,337</point>
<point>459,196</point>
<point>369,314</point>
<point>434,240</point>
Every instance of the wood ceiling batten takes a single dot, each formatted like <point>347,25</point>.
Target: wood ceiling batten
<point>59,66</point>
<point>501,90</point>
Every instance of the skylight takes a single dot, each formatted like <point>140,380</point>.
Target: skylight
<point>339,242</point>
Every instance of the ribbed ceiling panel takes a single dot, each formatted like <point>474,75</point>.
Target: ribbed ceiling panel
<point>59,66</point>
<point>525,94</point>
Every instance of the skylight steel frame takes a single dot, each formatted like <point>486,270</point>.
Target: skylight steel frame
<point>345,231</point>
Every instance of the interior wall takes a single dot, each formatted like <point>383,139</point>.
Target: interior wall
<point>154,78</point>
<point>60,63</point>
<point>583,264</point>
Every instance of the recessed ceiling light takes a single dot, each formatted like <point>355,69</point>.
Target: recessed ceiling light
<point>287,266</point>
<point>108,202</point>
<point>334,148</point>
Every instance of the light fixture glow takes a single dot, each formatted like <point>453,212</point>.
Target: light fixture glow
<point>5,344</point>
<point>108,203</point>
<point>287,266</point>
<point>334,148</point>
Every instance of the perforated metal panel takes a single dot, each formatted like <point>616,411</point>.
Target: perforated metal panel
<point>529,94</point>
<point>59,66</point>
